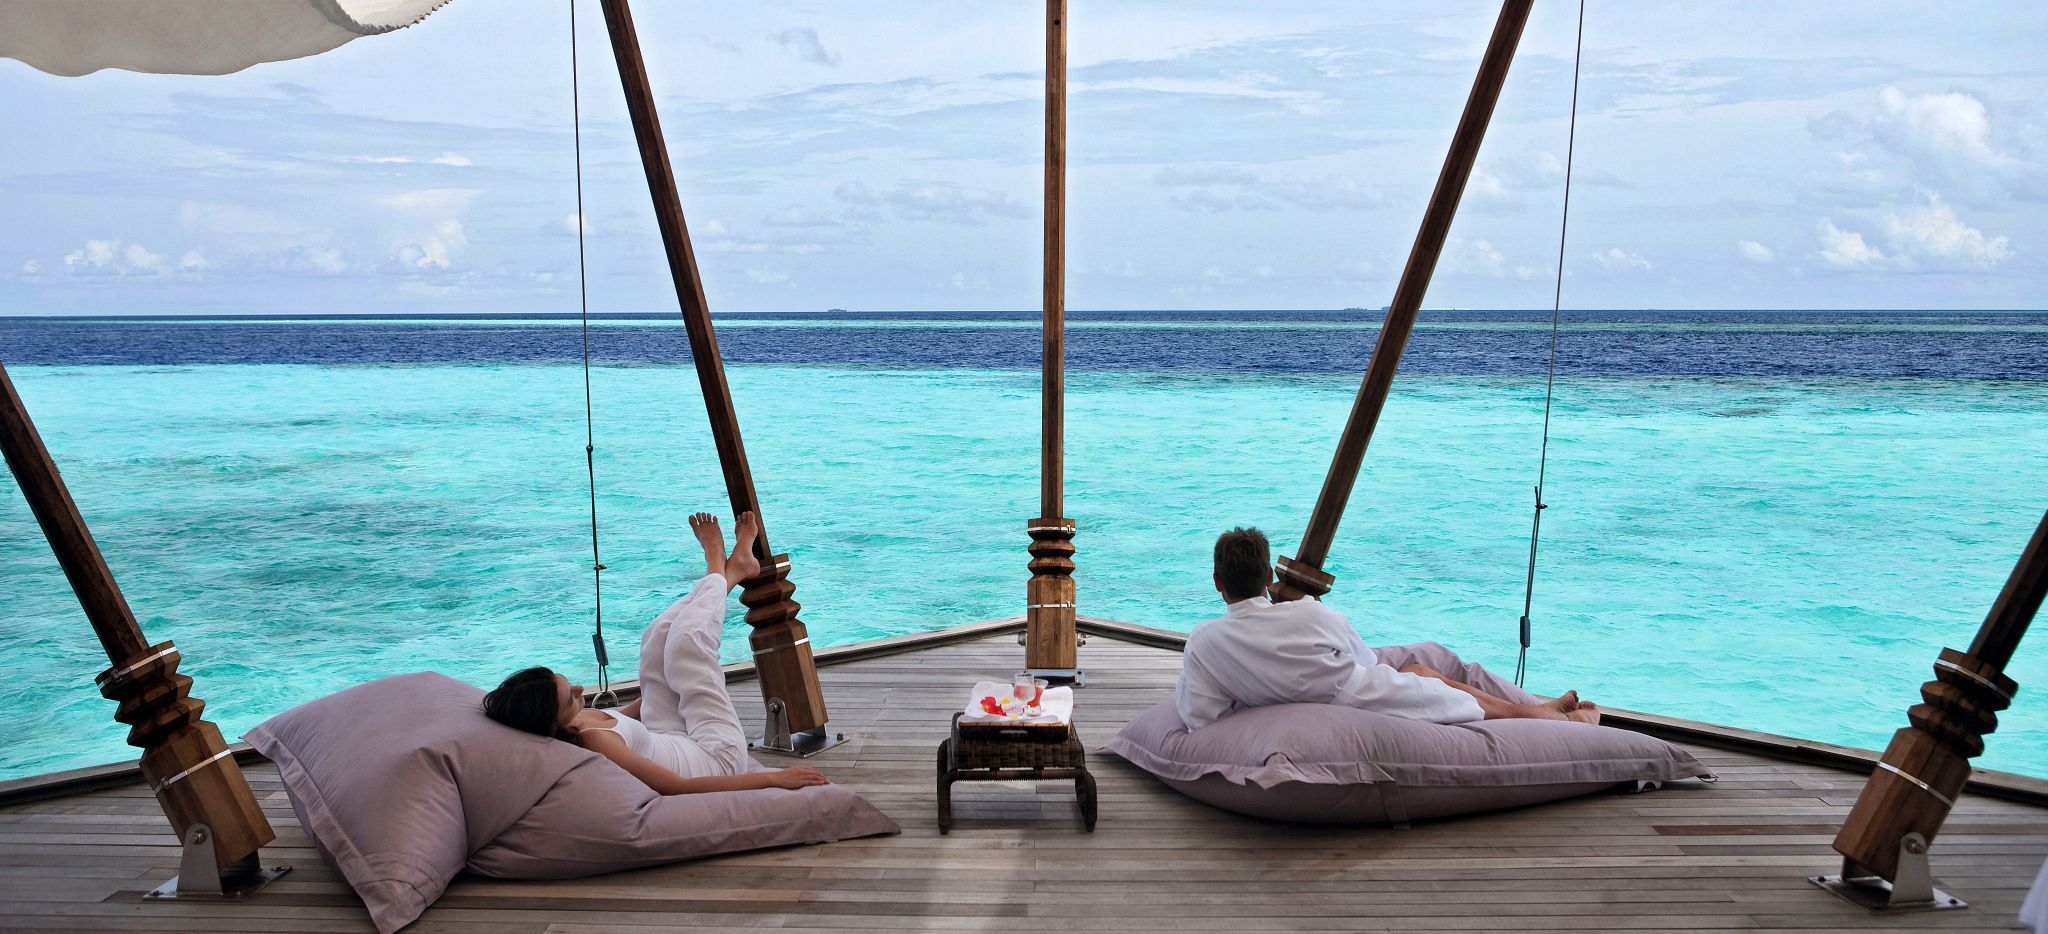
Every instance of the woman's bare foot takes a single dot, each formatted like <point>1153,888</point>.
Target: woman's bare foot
<point>742,564</point>
<point>1564,703</point>
<point>1568,706</point>
<point>705,526</point>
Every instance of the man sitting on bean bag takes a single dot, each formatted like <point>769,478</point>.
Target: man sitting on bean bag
<point>1260,653</point>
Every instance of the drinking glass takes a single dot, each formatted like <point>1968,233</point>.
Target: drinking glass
<point>1024,688</point>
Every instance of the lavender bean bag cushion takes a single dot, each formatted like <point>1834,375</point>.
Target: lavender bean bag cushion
<point>1323,764</point>
<point>403,782</point>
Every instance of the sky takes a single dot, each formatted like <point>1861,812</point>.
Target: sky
<point>888,157</point>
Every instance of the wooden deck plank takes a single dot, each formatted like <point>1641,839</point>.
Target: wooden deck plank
<point>1728,857</point>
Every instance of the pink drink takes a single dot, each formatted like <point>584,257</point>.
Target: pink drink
<point>1025,688</point>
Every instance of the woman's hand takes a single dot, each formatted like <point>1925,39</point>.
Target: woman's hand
<point>802,776</point>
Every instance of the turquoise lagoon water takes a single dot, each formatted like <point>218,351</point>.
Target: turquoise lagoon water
<point>1781,554</point>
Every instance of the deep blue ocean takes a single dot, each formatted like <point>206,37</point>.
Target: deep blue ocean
<point>1948,345</point>
<point>1768,519</point>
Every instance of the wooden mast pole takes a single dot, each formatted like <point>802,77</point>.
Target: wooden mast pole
<point>184,759</point>
<point>1916,782</point>
<point>782,647</point>
<point>1302,575</point>
<point>1050,636</point>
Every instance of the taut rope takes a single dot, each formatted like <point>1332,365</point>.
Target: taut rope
<point>604,681</point>
<point>1550,381</point>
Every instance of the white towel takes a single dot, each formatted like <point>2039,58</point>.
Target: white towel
<point>1057,706</point>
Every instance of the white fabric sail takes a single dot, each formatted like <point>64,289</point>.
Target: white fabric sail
<point>190,37</point>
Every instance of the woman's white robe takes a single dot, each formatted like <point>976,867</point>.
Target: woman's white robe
<point>1260,653</point>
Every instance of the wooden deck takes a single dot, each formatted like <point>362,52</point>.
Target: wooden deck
<point>1731,856</point>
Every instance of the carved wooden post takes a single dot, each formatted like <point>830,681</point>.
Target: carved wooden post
<point>782,648</point>
<point>1884,841</point>
<point>1050,637</point>
<point>1302,575</point>
<point>184,759</point>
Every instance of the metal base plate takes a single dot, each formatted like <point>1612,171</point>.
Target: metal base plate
<point>232,887</point>
<point>1876,894</point>
<point>801,745</point>
<point>1072,677</point>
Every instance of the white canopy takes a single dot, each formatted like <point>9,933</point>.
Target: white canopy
<point>189,37</point>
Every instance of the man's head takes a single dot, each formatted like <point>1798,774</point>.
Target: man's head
<point>1244,566</point>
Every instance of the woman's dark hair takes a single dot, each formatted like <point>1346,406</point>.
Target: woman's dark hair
<point>526,701</point>
<point>1243,565</point>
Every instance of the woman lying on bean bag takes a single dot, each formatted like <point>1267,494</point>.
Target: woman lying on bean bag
<point>681,737</point>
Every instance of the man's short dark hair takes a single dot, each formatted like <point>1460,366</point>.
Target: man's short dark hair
<point>1244,565</point>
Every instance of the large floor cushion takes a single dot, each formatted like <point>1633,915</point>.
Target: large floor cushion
<point>1318,763</point>
<point>403,782</point>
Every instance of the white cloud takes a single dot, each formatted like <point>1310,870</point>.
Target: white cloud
<point>1753,251</point>
<point>1486,183</point>
<point>1932,230</point>
<point>1616,258</point>
<point>1219,277</point>
<point>1476,257</point>
<point>435,236</point>
<point>446,158</point>
<point>803,42</point>
<point>1845,248</point>
<point>1953,124</point>
<point>118,258</point>
<point>436,248</point>
<point>797,216</point>
<point>765,276</point>
<point>935,201</point>
<point>303,259</point>
<point>31,267</point>
<point>95,254</point>
<point>1220,188</point>
<point>1251,85</point>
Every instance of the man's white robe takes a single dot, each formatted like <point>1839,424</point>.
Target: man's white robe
<point>1260,653</point>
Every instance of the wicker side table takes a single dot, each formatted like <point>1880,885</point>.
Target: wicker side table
<point>994,753</point>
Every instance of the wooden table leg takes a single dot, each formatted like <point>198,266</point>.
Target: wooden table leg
<point>945,787</point>
<point>1084,791</point>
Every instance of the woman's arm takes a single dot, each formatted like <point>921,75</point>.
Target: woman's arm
<point>632,709</point>
<point>663,781</point>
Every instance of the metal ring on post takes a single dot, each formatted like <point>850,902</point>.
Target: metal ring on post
<point>181,776</point>
<point>105,678</point>
<point>778,648</point>
<point>1980,679</point>
<point>1902,773</point>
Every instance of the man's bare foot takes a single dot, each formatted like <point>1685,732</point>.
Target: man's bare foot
<point>1586,713</point>
<point>742,564</point>
<point>1564,703</point>
<point>705,526</point>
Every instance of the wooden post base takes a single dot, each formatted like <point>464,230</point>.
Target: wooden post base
<point>185,760</point>
<point>1910,889</point>
<point>782,647</point>
<point>199,877</point>
<point>1050,639</point>
<point>1293,580</point>
<point>1926,765</point>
